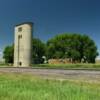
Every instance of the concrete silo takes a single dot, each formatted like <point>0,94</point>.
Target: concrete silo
<point>23,44</point>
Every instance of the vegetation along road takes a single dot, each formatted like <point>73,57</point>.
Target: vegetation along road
<point>82,75</point>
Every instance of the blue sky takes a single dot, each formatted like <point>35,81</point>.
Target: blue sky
<point>50,17</point>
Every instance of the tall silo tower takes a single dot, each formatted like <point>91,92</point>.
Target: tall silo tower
<point>23,44</point>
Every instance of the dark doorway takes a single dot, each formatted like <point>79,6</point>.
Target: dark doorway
<point>20,63</point>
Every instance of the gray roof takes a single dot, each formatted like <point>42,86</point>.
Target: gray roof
<point>30,23</point>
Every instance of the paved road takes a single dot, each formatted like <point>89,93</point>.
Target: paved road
<point>84,75</point>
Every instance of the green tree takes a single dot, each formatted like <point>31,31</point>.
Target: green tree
<point>38,51</point>
<point>73,46</point>
<point>8,54</point>
<point>89,49</point>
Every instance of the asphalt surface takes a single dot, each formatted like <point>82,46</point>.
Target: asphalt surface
<point>83,75</point>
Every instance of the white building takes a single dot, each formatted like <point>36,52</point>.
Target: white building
<point>23,44</point>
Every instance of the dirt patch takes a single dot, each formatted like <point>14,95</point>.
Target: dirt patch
<point>83,75</point>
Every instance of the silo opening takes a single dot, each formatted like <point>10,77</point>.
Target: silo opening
<point>20,63</point>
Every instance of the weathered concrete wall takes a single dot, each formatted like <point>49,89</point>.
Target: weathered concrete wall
<point>23,45</point>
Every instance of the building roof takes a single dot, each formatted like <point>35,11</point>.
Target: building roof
<point>30,23</point>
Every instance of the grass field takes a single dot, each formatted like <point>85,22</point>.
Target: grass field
<point>28,87</point>
<point>68,66</point>
<point>61,66</point>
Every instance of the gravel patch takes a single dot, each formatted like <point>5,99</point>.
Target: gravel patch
<point>83,75</point>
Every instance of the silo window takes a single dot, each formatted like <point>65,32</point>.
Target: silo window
<point>19,36</point>
<point>19,29</point>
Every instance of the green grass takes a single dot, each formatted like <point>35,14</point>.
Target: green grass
<point>61,66</point>
<point>4,64</point>
<point>28,87</point>
<point>68,66</point>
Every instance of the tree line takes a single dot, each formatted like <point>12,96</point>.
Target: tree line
<point>75,47</point>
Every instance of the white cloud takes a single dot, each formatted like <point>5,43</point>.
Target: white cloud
<point>0,52</point>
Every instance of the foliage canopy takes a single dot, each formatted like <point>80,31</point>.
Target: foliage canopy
<point>75,47</point>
